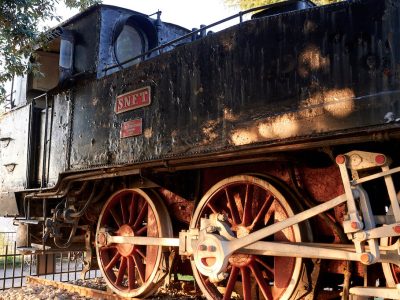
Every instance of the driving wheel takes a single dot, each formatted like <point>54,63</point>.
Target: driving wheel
<point>132,270</point>
<point>250,203</point>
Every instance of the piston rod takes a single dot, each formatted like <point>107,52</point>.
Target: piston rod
<point>303,250</point>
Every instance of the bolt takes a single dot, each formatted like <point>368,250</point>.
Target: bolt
<point>211,229</point>
<point>221,217</point>
<point>340,159</point>
<point>396,229</point>
<point>380,159</point>
<point>101,238</point>
<point>366,258</point>
<point>202,247</point>
<point>222,276</point>
<point>355,225</point>
<point>212,248</point>
<point>361,236</point>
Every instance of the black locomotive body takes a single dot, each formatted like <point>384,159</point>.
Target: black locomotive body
<point>229,135</point>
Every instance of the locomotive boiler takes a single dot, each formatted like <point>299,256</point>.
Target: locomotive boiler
<point>263,159</point>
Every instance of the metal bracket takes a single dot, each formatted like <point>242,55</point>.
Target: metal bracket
<point>386,293</point>
<point>87,262</point>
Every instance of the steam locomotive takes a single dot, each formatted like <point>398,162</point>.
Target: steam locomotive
<point>263,160</point>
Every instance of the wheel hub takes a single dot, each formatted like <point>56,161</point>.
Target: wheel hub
<point>125,249</point>
<point>210,256</point>
<point>241,260</point>
<point>242,231</point>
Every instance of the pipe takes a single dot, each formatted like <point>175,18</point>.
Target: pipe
<point>92,199</point>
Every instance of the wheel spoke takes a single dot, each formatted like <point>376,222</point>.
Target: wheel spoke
<point>140,266</point>
<point>248,201</point>
<point>265,289</point>
<point>116,217</point>
<point>233,208</point>
<point>231,283</point>
<point>140,253</point>
<point>213,209</point>
<point>131,273</point>
<point>141,216</point>
<point>246,283</point>
<point>121,272</point>
<point>123,211</point>
<point>265,207</point>
<point>132,209</point>
<point>267,268</point>
<point>239,206</point>
<point>113,262</point>
<point>269,214</point>
<point>141,231</point>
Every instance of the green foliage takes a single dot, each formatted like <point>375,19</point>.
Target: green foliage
<point>20,33</point>
<point>247,4</point>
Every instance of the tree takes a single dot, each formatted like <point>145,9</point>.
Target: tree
<point>247,4</point>
<point>20,33</point>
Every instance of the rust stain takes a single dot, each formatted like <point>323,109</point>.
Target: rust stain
<point>310,60</point>
<point>339,102</point>
<point>244,136</point>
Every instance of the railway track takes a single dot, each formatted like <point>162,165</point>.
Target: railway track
<point>40,288</point>
<point>72,288</point>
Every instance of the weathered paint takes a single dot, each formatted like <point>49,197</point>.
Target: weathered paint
<point>314,73</point>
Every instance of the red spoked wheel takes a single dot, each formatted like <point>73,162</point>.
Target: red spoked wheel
<point>251,203</point>
<point>391,271</point>
<point>133,270</point>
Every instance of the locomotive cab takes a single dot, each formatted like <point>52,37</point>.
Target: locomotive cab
<point>94,40</point>
<point>83,47</point>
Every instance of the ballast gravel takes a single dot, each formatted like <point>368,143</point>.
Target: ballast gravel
<point>178,290</point>
<point>36,292</point>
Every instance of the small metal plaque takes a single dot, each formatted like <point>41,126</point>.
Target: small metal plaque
<point>133,100</point>
<point>131,128</point>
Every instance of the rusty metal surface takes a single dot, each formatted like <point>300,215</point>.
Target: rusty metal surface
<point>58,148</point>
<point>233,89</point>
<point>179,207</point>
<point>14,132</point>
